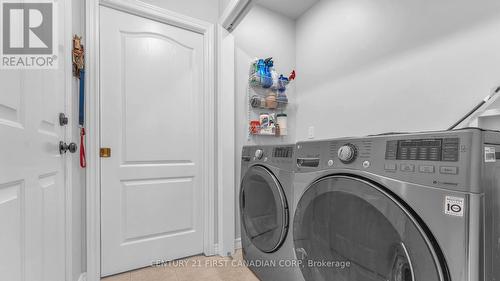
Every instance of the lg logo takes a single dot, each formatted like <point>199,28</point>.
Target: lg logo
<point>28,34</point>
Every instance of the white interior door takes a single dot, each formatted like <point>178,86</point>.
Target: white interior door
<point>32,172</point>
<point>151,118</point>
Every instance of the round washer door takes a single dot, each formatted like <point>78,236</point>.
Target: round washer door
<point>264,209</point>
<point>364,233</point>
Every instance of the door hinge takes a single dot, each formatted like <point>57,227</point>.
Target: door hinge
<point>105,152</point>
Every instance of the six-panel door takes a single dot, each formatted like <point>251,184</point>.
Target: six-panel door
<point>32,172</point>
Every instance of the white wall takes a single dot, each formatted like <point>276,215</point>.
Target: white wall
<point>223,5</point>
<point>207,10</point>
<point>369,66</point>
<point>262,33</point>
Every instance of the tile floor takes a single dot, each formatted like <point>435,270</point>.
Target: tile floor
<point>192,269</point>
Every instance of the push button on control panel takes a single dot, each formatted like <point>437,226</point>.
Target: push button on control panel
<point>448,170</point>
<point>426,169</point>
<point>390,167</point>
<point>407,167</point>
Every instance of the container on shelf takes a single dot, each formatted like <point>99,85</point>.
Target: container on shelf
<point>264,120</point>
<point>282,98</point>
<point>258,101</point>
<point>282,83</point>
<point>271,102</point>
<point>254,127</point>
<point>281,119</point>
<point>260,73</point>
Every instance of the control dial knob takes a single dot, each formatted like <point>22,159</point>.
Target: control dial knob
<point>259,153</point>
<point>347,153</point>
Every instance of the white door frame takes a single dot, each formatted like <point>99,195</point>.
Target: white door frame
<point>226,143</point>
<point>93,108</point>
<point>227,183</point>
<point>68,135</point>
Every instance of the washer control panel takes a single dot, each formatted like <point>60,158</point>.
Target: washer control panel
<point>445,159</point>
<point>434,149</point>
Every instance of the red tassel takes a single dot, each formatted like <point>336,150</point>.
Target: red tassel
<point>83,161</point>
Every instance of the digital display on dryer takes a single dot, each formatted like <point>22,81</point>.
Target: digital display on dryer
<point>283,152</point>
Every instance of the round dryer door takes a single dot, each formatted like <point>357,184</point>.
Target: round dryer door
<point>347,228</point>
<point>264,211</point>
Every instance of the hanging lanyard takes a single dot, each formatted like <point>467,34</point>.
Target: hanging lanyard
<point>78,55</point>
<point>81,119</point>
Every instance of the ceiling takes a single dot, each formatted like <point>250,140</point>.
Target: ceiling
<point>290,8</point>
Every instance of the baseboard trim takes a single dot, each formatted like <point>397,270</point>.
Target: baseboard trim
<point>237,246</point>
<point>237,243</point>
<point>83,277</point>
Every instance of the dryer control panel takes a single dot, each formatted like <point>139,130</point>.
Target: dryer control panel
<point>280,155</point>
<point>448,159</point>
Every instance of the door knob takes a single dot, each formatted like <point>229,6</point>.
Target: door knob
<point>63,147</point>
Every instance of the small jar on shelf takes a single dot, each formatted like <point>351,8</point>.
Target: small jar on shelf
<point>281,123</point>
<point>271,101</point>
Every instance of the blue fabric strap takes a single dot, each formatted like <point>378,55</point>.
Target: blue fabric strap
<point>81,115</point>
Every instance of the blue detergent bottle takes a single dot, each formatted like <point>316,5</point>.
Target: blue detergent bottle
<point>266,79</point>
<point>261,70</point>
<point>282,83</point>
